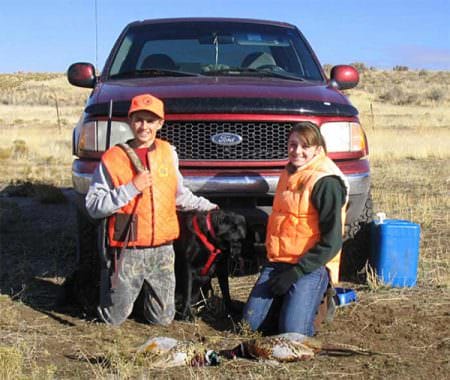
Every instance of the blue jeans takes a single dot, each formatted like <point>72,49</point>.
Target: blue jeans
<point>298,306</point>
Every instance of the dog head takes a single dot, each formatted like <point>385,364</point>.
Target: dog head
<point>230,230</point>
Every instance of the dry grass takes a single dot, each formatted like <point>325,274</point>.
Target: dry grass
<point>417,190</point>
<point>39,89</point>
<point>414,130</point>
<point>10,363</point>
<point>410,143</point>
<point>35,144</point>
<point>410,154</point>
<point>37,154</point>
<point>424,88</point>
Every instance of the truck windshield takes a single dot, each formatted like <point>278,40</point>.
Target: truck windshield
<point>213,48</point>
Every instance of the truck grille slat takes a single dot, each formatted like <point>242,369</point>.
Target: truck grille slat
<point>260,140</point>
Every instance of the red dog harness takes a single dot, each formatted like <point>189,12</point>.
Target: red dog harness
<point>213,251</point>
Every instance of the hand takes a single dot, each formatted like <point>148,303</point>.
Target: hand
<point>281,282</point>
<point>142,180</point>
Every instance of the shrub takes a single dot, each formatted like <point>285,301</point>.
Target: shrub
<point>400,68</point>
<point>18,122</point>
<point>397,96</point>
<point>360,66</point>
<point>435,95</point>
<point>20,149</point>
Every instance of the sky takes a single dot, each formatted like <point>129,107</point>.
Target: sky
<point>49,35</point>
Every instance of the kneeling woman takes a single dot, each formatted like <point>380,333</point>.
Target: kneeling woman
<point>304,235</point>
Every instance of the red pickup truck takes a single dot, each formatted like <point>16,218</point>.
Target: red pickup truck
<point>232,90</point>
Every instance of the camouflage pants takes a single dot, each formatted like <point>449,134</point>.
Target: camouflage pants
<point>148,269</point>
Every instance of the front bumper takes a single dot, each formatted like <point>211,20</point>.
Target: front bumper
<point>245,186</point>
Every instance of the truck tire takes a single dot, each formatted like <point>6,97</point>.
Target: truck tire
<point>82,286</point>
<point>356,247</point>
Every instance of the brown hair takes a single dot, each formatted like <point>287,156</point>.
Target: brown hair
<point>310,134</point>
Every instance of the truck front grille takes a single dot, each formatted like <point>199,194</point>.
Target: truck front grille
<point>260,140</point>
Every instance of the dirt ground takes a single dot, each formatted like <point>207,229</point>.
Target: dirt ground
<point>405,330</point>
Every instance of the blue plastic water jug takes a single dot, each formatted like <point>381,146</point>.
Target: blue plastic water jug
<point>395,251</point>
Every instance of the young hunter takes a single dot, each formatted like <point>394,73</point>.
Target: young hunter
<point>304,236</point>
<point>140,207</point>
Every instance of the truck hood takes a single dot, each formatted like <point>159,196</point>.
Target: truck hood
<point>223,95</point>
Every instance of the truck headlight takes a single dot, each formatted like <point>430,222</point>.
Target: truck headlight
<point>344,137</point>
<point>92,135</point>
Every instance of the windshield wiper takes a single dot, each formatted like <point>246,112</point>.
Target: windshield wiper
<point>267,72</point>
<point>153,73</point>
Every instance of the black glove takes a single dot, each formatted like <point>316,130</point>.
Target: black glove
<point>281,282</point>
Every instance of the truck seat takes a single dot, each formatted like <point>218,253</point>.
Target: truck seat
<point>257,59</point>
<point>158,61</point>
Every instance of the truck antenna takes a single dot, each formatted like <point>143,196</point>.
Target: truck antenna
<point>96,34</point>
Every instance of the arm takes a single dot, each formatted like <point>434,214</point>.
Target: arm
<point>102,199</point>
<point>328,197</point>
<point>186,200</point>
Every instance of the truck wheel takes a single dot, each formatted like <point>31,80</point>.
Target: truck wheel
<point>356,248</point>
<point>82,286</point>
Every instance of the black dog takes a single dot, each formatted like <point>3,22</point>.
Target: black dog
<point>208,242</point>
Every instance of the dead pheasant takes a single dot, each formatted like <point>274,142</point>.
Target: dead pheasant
<point>170,352</point>
<point>288,347</point>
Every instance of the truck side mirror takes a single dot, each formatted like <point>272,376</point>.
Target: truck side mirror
<point>344,77</point>
<point>82,74</point>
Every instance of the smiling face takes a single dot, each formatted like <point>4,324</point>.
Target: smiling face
<point>144,125</point>
<point>299,151</point>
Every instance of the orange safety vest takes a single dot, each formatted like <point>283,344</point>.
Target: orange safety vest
<point>155,208</point>
<point>293,226</point>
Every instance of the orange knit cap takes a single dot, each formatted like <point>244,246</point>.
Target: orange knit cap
<point>147,102</point>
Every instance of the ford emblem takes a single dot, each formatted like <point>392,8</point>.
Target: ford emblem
<point>226,139</point>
